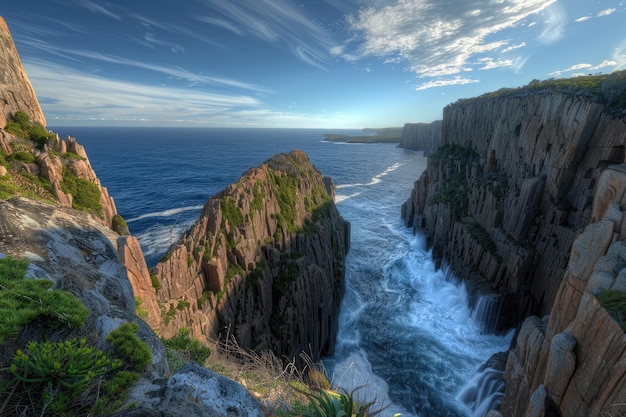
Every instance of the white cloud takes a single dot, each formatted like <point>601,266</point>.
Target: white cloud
<point>98,8</point>
<point>491,63</point>
<point>438,38</point>
<point>582,19</point>
<point>275,21</point>
<point>606,12</point>
<point>445,82</point>
<point>513,47</point>
<point>556,19</point>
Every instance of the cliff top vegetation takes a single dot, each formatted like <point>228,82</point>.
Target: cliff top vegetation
<point>609,89</point>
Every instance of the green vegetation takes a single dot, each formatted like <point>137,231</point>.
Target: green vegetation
<point>284,187</point>
<point>335,403</point>
<point>129,347</point>
<point>231,212</point>
<point>120,225</point>
<point>24,300</point>
<point>22,127</point>
<point>86,194</point>
<point>258,192</point>
<point>384,135</point>
<point>480,235</point>
<point>609,89</point>
<point>54,376</point>
<point>156,284</point>
<point>182,348</point>
<point>615,303</point>
<point>139,310</point>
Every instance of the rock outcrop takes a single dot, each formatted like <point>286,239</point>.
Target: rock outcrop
<point>574,362</point>
<point>512,186</point>
<point>263,264</point>
<point>421,136</point>
<point>16,91</point>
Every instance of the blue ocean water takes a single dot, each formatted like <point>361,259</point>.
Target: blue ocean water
<point>406,333</point>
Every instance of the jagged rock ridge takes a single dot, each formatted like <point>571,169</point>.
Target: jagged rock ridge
<point>264,264</point>
<point>16,91</point>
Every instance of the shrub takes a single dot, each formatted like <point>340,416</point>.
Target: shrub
<point>21,126</point>
<point>333,403</point>
<point>86,194</point>
<point>129,347</point>
<point>24,300</point>
<point>615,302</point>
<point>51,378</point>
<point>182,348</point>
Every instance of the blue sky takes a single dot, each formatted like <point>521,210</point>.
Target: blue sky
<point>282,63</point>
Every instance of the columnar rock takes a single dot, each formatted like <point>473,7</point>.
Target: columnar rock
<point>263,264</point>
<point>511,187</point>
<point>577,362</point>
<point>421,136</point>
<point>16,91</point>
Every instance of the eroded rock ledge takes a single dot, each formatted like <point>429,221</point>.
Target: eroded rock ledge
<point>264,264</point>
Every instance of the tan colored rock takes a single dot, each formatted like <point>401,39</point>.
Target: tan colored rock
<point>561,365</point>
<point>16,91</point>
<point>263,279</point>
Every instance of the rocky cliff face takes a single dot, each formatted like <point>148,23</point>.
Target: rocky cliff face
<point>16,92</point>
<point>421,136</point>
<point>263,264</point>
<point>574,362</point>
<point>511,188</point>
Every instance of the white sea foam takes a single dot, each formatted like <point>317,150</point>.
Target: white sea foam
<point>165,213</point>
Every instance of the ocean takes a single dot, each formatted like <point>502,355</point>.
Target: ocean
<point>407,336</point>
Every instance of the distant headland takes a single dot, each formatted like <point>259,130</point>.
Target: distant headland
<point>371,135</point>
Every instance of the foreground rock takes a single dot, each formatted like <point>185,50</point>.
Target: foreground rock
<point>264,264</point>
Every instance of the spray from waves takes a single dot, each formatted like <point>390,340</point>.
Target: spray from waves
<point>376,179</point>
<point>158,238</point>
<point>165,213</point>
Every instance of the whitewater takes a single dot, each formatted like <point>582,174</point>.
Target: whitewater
<point>407,336</point>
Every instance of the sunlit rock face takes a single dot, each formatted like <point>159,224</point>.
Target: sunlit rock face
<point>576,363</point>
<point>263,264</point>
<point>16,92</point>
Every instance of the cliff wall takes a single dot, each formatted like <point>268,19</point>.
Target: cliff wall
<point>573,363</point>
<point>512,186</point>
<point>421,136</point>
<point>263,264</point>
<point>16,91</point>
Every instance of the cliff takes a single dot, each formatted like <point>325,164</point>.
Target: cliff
<point>512,186</point>
<point>263,264</point>
<point>421,136</point>
<point>16,92</point>
<point>574,362</point>
<point>525,197</point>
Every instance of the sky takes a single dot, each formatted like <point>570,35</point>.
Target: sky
<point>299,64</point>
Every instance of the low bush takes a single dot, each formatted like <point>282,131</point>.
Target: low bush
<point>85,194</point>
<point>615,302</point>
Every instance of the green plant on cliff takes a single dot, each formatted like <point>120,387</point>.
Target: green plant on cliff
<point>615,302</point>
<point>22,127</point>
<point>284,188</point>
<point>231,212</point>
<point>25,300</point>
<point>182,348</point>
<point>86,194</point>
<point>480,235</point>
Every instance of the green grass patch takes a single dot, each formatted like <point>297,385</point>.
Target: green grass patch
<point>480,235</point>
<point>182,348</point>
<point>24,300</point>
<point>85,194</point>
<point>615,303</point>
<point>230,212</point>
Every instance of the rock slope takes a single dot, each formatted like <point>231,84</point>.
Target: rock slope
<point>512,186</point>
<point>263,264</point>
<point>16,91</point>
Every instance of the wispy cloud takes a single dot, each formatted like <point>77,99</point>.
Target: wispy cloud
<point>440,38</point>
<point>587,68</point>
<point>98,8</point>
<point>274,21</point>
<point>72,97</point>
<point>458,80</point>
